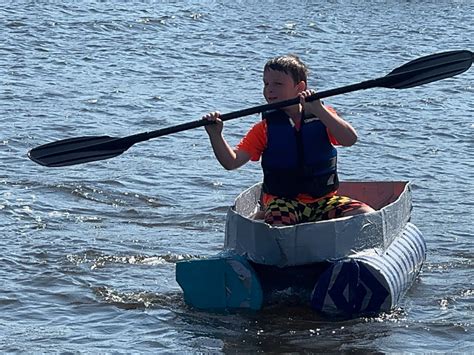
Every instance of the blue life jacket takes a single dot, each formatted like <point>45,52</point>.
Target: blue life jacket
<point>298,161</point>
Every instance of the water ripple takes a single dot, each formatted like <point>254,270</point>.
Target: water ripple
<point>89,251</point>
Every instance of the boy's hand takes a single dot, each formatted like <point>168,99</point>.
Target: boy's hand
<point>216,128</point>
<point>313,107</point>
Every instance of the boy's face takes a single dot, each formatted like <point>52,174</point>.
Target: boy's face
<point>279,86</point>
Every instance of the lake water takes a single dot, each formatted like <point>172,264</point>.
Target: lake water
<point>88,252</point>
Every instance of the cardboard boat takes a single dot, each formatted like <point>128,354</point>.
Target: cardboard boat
<point>345,266</point>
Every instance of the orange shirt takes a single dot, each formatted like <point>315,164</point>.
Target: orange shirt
<point>255,142</point>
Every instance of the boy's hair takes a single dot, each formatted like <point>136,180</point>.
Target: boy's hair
<point>290,64</point>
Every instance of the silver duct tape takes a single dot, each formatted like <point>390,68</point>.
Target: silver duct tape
<point>399,265</point>
<point>370,282</point>
<point>326,240</point>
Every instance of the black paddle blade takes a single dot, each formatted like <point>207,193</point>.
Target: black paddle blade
<point>78,150</point>
<point>427,69</point>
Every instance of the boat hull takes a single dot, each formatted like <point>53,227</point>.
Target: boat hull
<point>371,276</point>
<point>333,239</point>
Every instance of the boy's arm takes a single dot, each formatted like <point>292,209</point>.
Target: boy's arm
<point>230,159</point>
<point>342,130</point>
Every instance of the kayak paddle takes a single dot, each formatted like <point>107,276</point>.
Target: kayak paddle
<point>91,148</point>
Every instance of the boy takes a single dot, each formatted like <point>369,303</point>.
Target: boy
<point>296,145</point>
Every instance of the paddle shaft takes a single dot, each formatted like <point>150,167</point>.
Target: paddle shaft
<point>257,109</point>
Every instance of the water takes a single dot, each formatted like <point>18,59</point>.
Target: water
<point>88,252</point>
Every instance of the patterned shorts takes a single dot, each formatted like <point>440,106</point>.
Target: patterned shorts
<point>287,211</point>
